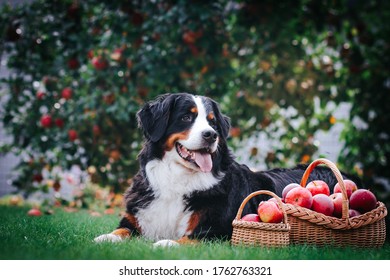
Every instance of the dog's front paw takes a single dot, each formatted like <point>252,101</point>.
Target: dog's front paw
<point>166,243</point>
<point>108,238</point>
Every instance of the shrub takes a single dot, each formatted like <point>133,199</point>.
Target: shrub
<point>81,70</point>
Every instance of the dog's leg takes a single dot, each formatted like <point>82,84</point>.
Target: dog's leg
<point>115,236</point>
<point>128,226</point>
<point>166,243</point>
<point>185,240</point>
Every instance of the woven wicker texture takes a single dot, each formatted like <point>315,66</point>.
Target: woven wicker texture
<point>310,227</point>
<point>260,234</point>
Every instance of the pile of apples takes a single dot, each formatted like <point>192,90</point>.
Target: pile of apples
<point>317,197</point>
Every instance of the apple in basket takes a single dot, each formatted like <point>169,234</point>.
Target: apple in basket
<point>251,218</point>
<point>353,213</point>
<point>350,187</point>
<point>299,197</point>
<point>318,186</point>
<point>362,200</point>
<point>269,212</point>
<point>337,199</point>
<point>323,204</point>
<point>288,188</point>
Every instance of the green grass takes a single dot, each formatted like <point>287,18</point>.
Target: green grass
<point>70,236</point>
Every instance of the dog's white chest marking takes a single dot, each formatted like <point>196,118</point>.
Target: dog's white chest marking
<point>164,219</point>
<point>166,216</point>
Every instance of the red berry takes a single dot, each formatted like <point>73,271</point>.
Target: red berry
<point>72,135</point>
<point>189,37</point>
<point>46,121</point>
<point>40,95</point>
<point>73,63</point>
<point>96,130</point>
<point>59,123</point>
<point>99,63</point>
<point>90,54</point>
<point>38,178</point>
<point>117,54</point>
<point>67,93</point>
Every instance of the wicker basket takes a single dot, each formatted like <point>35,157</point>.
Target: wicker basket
<point>258,233</point>
<point>310,227</point>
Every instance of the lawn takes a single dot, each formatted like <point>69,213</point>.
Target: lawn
<point>64,235</point>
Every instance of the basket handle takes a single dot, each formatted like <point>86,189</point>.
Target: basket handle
<point>339,177</point>
<point>256,193</point>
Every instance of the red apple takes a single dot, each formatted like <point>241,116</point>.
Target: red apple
<point>59,123</point>
<point>299,197</point>
<point>96,130</point>
<point>37,177</point>
<point>46,121</point>
<point>73,63</point>
<point>269,212</point>
<point>251,218</point>
<point>34,212</point>
<point>273,199</point>
<point>99,63</point>
<point>72,135</point>
<point>288,188</point>
<point>322,204</point>
<point>337,199</point>
<point>353,213</point>
<point>362,200</point>
<point>350,187</point>
<point>90,54</point>
<point>67,93</point>
<point>40,95</point>
<point>189,37</point>
<point>317,187</point>
<point>117,54</point>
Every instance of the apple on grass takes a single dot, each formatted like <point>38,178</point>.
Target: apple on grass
<point>288,188</point>
<point>317,187</point>
<point>350,187</point>
<point>251,218</point>
<point>323,204</point>
<point>34,212</point>
<point>269,212</point>
<point>299,197</point>
<point>362,200</point>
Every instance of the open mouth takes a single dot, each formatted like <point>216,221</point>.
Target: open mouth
<point>201,158</point>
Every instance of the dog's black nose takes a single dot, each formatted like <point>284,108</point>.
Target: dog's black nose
<point>210,136</point>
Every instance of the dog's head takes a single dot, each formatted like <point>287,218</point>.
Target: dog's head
<point>190,128</point>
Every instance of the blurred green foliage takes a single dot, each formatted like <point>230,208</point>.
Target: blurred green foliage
<point>275,66</point>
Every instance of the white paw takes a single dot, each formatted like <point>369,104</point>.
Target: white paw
<point>108,238</point>
<point>166,243</point>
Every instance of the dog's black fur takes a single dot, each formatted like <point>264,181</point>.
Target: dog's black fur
<point>215,207</point>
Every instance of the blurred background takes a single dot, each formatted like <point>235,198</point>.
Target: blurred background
<point>299,79</point>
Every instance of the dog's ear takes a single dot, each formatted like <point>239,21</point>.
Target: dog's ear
<point>153,118</point>
<point>223,121</point>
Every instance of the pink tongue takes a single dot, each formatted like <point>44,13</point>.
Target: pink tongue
<point>204,161</point>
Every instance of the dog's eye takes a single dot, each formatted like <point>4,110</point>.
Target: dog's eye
<point>187,118</point>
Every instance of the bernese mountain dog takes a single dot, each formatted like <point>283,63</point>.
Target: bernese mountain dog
<point>189,187</point>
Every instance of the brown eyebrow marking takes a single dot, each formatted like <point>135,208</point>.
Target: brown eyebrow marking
<point>210,116</point>
<point>194,110</point>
